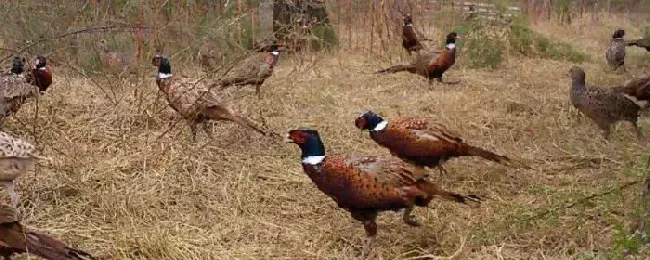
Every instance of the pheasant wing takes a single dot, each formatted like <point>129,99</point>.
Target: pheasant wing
<point>248,68</point>
<point>16,86</point>
<point>428,129</point>
<point>387,170</point>
<point>423,60</point>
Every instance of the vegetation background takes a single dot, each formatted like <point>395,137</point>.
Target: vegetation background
<point>127,182</point>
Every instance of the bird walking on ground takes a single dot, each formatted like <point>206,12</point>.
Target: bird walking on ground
<point>422,142</point>
<point>195,102</point>
<point>430,64</point>
<point>254,70</point>
<point>605,107</point>
<point>15,89</point>
<point>16,239</point>
<point>410,40</point>
<point>367,185</point>
<point>616,51</point>
<point>41,73</point>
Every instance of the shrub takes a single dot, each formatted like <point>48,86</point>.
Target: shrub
<point>482,47</point>
<point>485,43</point>
<point>529,43</point>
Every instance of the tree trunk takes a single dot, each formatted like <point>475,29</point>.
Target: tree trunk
<point>266,19</point>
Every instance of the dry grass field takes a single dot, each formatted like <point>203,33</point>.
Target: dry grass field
<point>126,182</point>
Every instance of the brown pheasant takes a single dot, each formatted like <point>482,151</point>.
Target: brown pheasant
<point>14,89</point>
<point>254,70</point>
<point>420,141</point>
<point>118,63</point>
<point>604,106</point>
<point>410,40</point>
<point>430,64</point>
<point>40,73</point>
<point>366,185</point>
<point>16,239</point>
<point>16,157</point>
<point>616,51</point>
<point>194,102</point>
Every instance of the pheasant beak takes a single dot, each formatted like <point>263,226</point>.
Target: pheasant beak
<point>287,139</point>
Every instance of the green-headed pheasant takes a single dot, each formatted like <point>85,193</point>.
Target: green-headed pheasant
<point>366,185</point>
<point>410,40</point>
<point>194,101</point>
<point>254,70</point>
<point>421,141</point>
<point>40,73</point>
<point>430,64</point>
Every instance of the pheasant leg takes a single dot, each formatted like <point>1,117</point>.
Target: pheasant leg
<point>193,127</point>
<point>409,219</point>
<point>639,134</point>
<point>606,133</point>
<point>370,227</point>
<point>442,170</point>
<point>207,127</point>
<point>258,92</point>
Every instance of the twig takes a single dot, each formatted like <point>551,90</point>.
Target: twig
<point>79,31</point>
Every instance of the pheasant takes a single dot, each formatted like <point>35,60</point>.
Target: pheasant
<point>41,74</point>
<point>194,102</point>
<point>410,40</point>
<point>604,106</point>
<point>641,43</point>
<point>420,141</point>
<point>117,62</point>
<point>16,157</point>
<point>432,64</point>
<point>367,185</point>
<point>254,70</point>
<point>638,90</point>
<point>616,51</point>
<point>15,89</point>
<point>16,239</point>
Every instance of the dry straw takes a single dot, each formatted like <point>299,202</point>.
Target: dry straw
<point>125,181</point>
